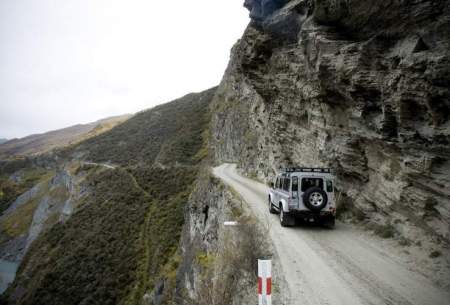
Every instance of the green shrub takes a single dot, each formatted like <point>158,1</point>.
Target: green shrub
<point>404,241</point>
<point>435,254</point>
<point>385,231</point>
<point>93,257</point>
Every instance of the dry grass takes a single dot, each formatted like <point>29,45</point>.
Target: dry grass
<point>385,231</point>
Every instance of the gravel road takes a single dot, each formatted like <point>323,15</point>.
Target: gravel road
<point>341,266</point>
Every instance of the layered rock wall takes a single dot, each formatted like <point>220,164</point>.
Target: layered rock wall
<point>361,86</point>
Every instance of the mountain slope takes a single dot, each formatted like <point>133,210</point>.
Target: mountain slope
<point>119,226</point>
<point>166,133</point>
<point>41,143</point>
<point>3,141</point>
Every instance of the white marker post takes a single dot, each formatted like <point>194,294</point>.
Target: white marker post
<point>264,282</point>
<point>230,223</point>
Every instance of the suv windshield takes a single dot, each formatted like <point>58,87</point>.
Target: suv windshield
<point>311,182</point>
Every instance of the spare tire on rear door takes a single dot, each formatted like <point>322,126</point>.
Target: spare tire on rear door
<point>315,199</point>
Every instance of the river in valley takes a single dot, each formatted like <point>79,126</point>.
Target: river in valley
<point>7,273</point>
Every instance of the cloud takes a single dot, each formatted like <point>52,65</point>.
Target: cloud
<point>76,61</point>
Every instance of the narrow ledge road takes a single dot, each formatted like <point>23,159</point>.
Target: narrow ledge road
<point>334,267</point>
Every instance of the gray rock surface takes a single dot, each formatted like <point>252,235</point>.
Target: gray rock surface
<point>54,202</point>
<point>13,248</point>
<point>204,217</point>
<point>57,202</point>
<point>361,86</point>
<point>205,243</point>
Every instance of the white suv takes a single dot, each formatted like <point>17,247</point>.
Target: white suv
<point>303,193</point>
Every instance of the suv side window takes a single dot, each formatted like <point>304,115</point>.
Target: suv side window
<point>286,184</point>
<point>295,184</point>
<point>329,186</point>
<point>311,182</point>
<point>294,187</point>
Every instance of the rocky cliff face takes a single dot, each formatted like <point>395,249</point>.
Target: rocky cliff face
<point>361,86</point>
<point>204,216</point>
<point>217,261</point>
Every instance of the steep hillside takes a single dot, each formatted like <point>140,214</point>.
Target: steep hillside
<point>41,143</point>
<point>361,86</point>
<point>107,234</point>
<point>166,134</point>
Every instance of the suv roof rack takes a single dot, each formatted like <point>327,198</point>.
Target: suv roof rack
<point>308,169</point>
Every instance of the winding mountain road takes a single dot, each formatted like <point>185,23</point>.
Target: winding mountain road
<point>334,267</point>
<point>108,166</point>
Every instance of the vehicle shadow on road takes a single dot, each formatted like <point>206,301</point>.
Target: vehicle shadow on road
<point>313,226</point>
<point>302,225</point>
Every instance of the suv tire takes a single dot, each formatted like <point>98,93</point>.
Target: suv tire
<point>271,207</point>
<point>315,199</point>
<point>285,219</point>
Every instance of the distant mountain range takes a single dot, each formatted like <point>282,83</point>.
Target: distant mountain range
<point>41,143</point>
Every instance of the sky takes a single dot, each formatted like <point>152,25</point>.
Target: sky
<point>77,61</point>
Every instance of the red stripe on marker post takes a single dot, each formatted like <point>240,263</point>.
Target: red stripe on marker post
<point>259,285</point>
<point>264,282</point>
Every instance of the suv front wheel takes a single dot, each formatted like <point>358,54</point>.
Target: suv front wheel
<point>285,219</point>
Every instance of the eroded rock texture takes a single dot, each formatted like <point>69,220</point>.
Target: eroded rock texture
<point>358,85</point>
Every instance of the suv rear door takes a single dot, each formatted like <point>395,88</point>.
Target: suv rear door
<point>308,182</point>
